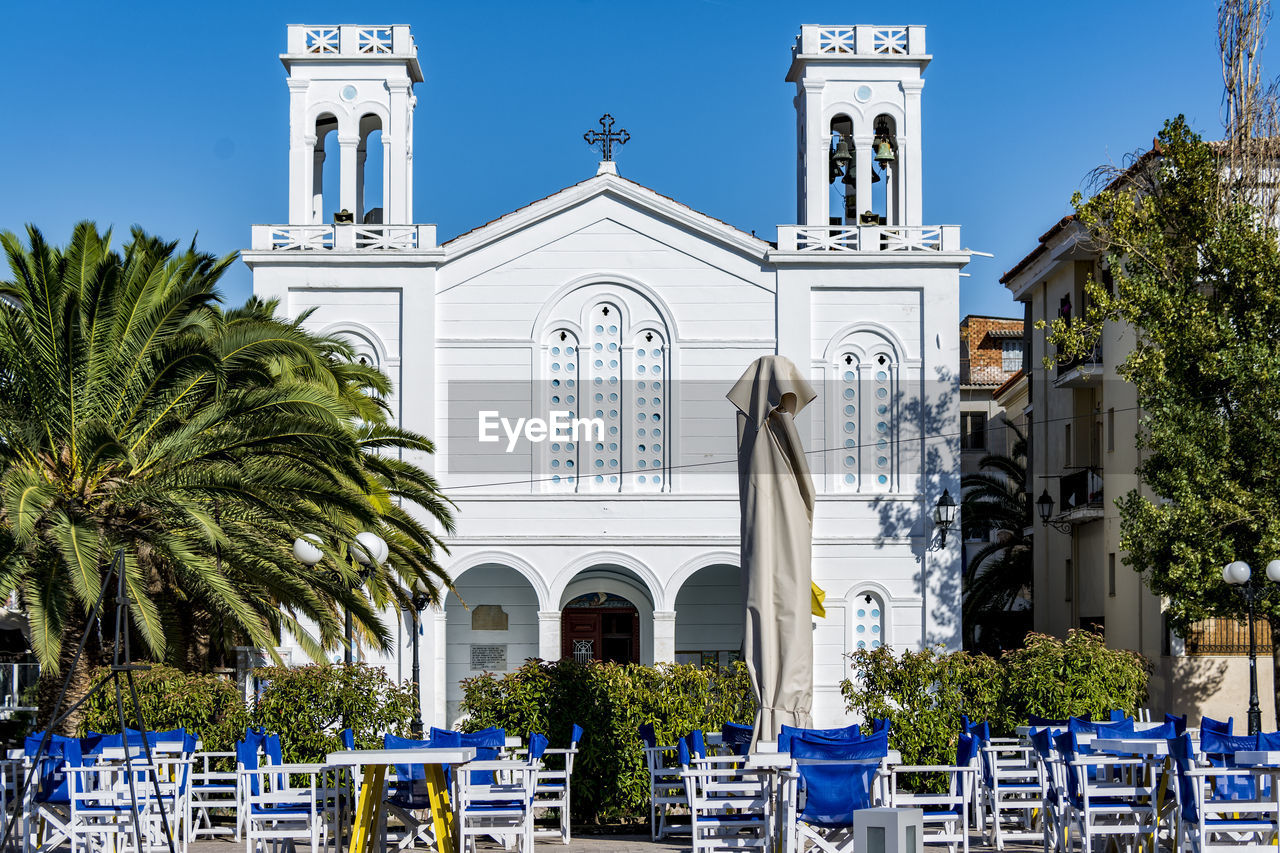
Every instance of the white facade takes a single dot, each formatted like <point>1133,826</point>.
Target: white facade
<point>610,288</point>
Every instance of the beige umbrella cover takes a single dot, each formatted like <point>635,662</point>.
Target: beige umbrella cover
<point>776,495</point>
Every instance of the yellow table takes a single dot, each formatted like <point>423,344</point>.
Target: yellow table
<point>373,765</point>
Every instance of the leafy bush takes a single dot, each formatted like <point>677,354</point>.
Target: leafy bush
<point>170,698</point>
<point>1080,675</point>
<point>308,705</point>
<point>610,701</point>
<point>924,693</point>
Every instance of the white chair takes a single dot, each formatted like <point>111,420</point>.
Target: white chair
<point>1009,793</point>
<point>1204,823</point>
<point>837,779</point>
<point>553,790</point>
<point>46,806</point>
<point>666,788</point>
<point>730,807</point>
<point>275,810</point>
<point>103,804</point>
<point>1106,796</point>
<point>495,798</point>
<point>946,813</point>
<point>212,789</point>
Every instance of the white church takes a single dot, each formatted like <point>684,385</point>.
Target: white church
<point>611,303</point>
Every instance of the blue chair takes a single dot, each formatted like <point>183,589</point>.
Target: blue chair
<point>945,814</point>
<point>1208,724</point>
<point>1008,793</point>
<point>273,808</point>
<point>786,733</point>
<point>1179,723</point>
<point>737,737</point>
<point>697,743</point>
<point>1053,786</point>
<point>347,737</point>
<point>553,791</point>
<point>1201,818</point>
<point>666,788</point>
<point>727,802</point>
<point>1116,715</point>
<point>839,779</point>
<point>1164,731</point>
<point>1220,751</point>
<point>1120,802</point>
<point>502,809</point>
<point>48,803</point>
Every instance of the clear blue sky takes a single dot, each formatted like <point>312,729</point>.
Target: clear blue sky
<point>174,115</point>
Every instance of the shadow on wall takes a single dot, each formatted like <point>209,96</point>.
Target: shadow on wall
<point>1216,687</point>
<point>933,410</point>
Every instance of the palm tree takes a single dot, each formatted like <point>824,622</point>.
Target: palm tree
<point>136,414</point>
<point>1000,572</point>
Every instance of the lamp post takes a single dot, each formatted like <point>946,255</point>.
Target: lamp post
<point>1238,573</point>
<point>368,549</point>
<point>419,602</point>
<point>944,515</point>
<point>1044,508</point>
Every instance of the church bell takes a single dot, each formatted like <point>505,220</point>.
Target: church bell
<point>841,159</point>
<point>884,152</point>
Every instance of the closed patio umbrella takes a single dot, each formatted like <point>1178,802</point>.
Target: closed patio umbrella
<point>776,496</point>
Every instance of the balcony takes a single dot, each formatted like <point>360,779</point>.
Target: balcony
<point>848,239</point>
<point>1081,371</point>
<point>307,40</point>
<point>343,238</point>
<point>1080,494</point>
<point>860,41</point>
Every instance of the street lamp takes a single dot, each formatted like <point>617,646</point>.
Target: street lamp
<point>369,550</point>
<point>1044,508</point>
<point>419,602</point>
<point>1237,573</point>
<point>944,515</point>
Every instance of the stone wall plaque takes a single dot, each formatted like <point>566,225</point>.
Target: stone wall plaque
<point>488,658</point>
<point>488,617</point>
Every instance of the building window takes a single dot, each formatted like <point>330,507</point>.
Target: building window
<point>863,417</point>
<point>1011,356</point>
<point>562,396</point>
<point>868,621</point>
<point>851,451</point>
<point>1111,575</point>
<point>1111,430</point>
<point>648,393</point>
<point>973,431</point>
<point>1071,581</point>
<point>885,429</point>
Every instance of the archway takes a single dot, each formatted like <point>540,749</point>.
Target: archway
<point>491,626</point>
<point>710,617</point>
<point>606,613</point>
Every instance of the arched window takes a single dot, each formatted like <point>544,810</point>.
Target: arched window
<point>604,384</point>
<point>561,389</point>
<point>648,392</point>
<point>880,474</point>
<point>864,421</point>
<point>868,621</point>
<point>608,349</point>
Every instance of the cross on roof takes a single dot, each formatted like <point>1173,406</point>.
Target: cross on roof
<point>606,137</point>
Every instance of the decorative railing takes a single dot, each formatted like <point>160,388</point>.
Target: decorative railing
<point>1091,359</point>
<point>309,40</point>
<point>344,237</point>
<point>868,238</point>
<point>865,41</point>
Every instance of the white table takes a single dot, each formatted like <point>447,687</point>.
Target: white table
<point>1153,747</point>
<point>373,783</point>
<point>1258,758</point>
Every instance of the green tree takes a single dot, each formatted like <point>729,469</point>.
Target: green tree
<point>1195,271</point>
<point>135,414</point>
<point>999,572</point>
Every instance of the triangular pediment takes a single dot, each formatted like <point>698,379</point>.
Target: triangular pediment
<point>626,192</point>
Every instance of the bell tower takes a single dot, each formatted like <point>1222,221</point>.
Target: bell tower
<point>350,91</point>
<point>858,124</point>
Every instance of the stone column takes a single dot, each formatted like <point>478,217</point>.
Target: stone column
<point>301,141</point>
<point>435,623</point>
<point>864,149</point>
<point>664,636</point>
<point>909,156</point>
<point>362,155</point>
<point>349,148</point>
<point>817,145</point>
<point>549,634</point>
<point>316,190</point>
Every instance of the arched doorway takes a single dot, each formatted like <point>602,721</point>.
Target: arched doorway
<point>606,613</point>
<point>600,626</point>
<point>710,617</point>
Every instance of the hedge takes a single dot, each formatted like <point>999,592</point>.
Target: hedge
<point>924,693</point>
<point>610,701</point>
<point>307,706</point>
